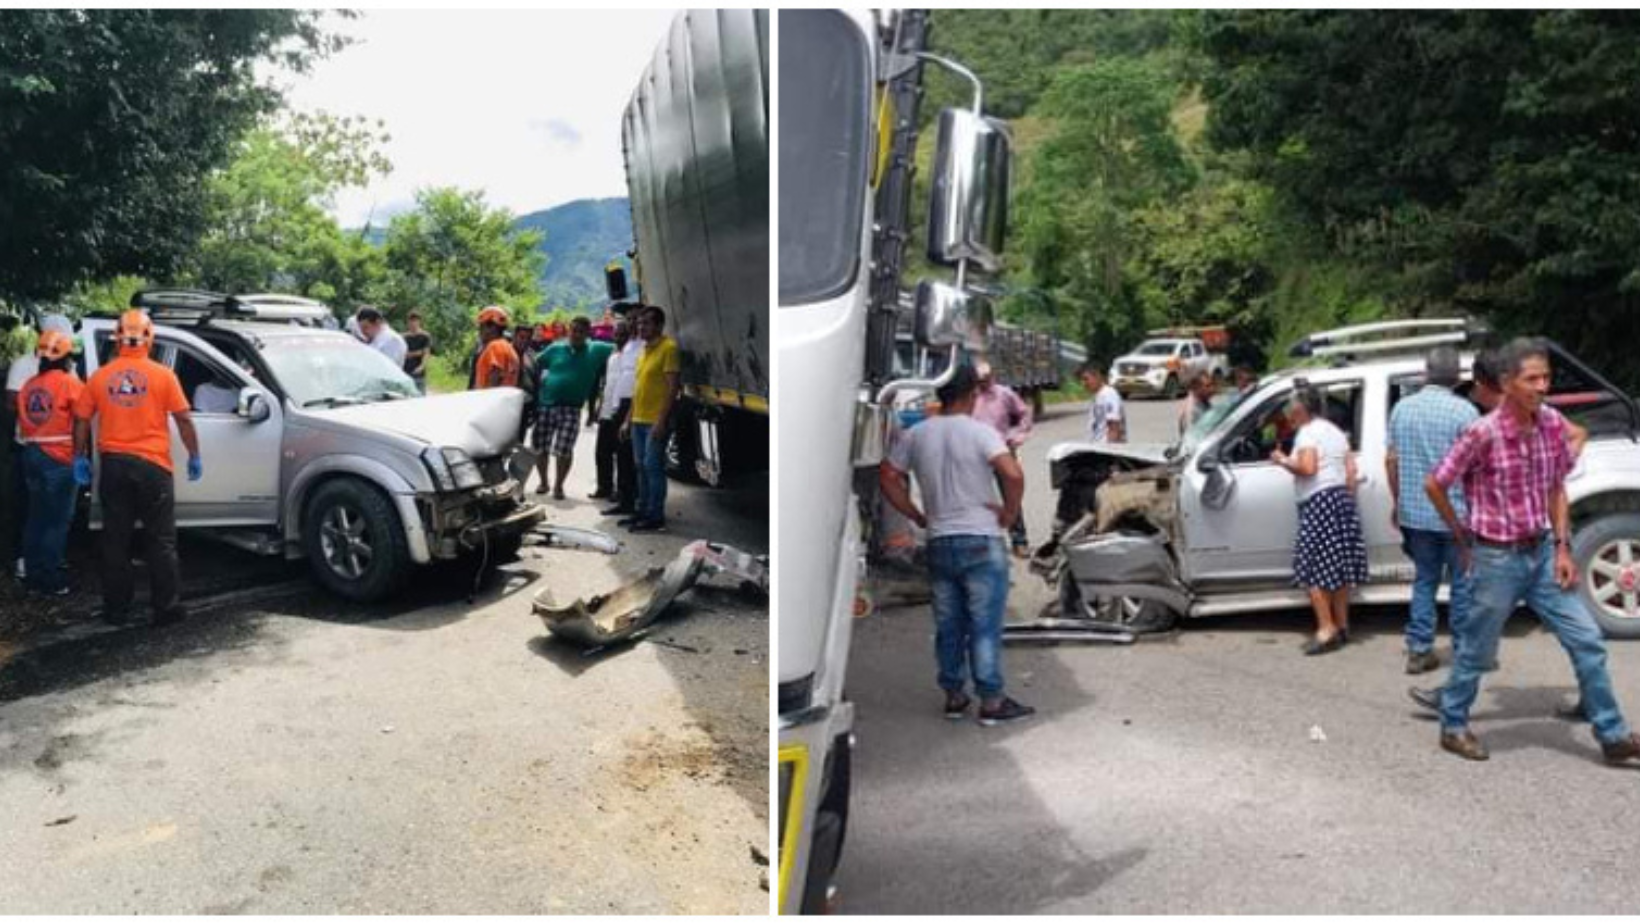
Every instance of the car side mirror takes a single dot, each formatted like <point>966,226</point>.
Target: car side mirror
<point>969,212</point>
<point>947,316</point>
<point>253,406</point>
<point>1220,487</point>
<point>1208,463</point>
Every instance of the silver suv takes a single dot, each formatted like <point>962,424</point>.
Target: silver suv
<point>319,447</point>
<point>1205,527</point>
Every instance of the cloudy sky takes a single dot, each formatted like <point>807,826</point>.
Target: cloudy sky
<point>523,104</point>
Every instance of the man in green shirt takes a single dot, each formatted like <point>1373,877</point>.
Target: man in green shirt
<point>569,378</point>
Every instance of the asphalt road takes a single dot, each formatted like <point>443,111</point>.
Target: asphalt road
<point>282,752</point>
<point>1186,775</point>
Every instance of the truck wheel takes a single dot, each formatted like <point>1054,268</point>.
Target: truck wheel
<point>355,542</point>
<point>1170,390</point>
<point>681,451</point>
<point>830,827</point>
<point>1138,616</point>
<point>1607,554</point>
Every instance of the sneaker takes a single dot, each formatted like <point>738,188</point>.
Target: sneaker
<point>1466,745</point>
<point>44,592</point>
<point>956,704</point>
<point>1572,713</point>
<point>1622,752</point>
<point>1422,662</point>
<point>1005,711</point>
<point>558,494</point>
<point>19,570</point>
<point>628,520</point>
<point>619,510</point>
<point>648,526</point>
<point>1427,697</point>
<point>601,495</point>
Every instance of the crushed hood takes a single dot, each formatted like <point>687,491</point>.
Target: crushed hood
<point>480,423</point>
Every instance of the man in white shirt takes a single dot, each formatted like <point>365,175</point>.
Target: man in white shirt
<point>1107,418</point>
<point>617,471</point>
<point>381,336</point>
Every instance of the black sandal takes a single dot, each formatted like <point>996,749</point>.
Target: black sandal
<point>1316,646</point>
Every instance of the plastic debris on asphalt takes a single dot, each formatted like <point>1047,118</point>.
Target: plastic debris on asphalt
<point>1317,735</point>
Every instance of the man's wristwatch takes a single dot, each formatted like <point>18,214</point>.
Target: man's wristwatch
<point>1561,542</point>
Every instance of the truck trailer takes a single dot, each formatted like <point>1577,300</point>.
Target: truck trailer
<point>696,142</point>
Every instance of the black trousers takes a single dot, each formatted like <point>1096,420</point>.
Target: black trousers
<point>617,473</point>
<point>13,502</point>
<point>133,489</point>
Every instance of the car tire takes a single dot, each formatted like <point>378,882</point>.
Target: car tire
<point>1141,617</point>
<point>1170,388</point>
<point>354,541</point>
<point>1609,587</point>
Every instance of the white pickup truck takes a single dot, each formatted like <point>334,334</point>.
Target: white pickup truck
<point>1163,366</point>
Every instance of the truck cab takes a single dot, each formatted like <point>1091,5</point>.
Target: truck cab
<point>317,447</point>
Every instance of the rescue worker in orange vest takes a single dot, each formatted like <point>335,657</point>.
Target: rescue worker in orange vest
<point>134,399</point>
<point>497,363</point>
<point>45,427</point>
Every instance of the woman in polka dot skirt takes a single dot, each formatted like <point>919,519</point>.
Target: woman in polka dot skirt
<point>1330,555</point>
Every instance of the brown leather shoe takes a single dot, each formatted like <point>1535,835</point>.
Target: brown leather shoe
<point>1622,752</point>
<point>1464,744</point>
<point>1422,662</point>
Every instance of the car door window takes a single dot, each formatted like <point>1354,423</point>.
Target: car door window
<point>1268,427</point>
<point>1584,398</point>
<point>210,388</point>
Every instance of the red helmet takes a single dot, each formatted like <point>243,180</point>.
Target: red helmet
<point>54,345</point>
<point>134,330</point>
<point>495,314</point>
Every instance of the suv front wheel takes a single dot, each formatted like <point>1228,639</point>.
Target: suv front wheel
<point>354,541</point>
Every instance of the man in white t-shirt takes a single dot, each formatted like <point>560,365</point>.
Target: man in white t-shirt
<point>958,462</point>
<point>381,336</point>
<point>1107,418</point>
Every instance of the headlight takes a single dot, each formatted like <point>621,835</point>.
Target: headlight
<point>794,772</point>
<point>452,469</point>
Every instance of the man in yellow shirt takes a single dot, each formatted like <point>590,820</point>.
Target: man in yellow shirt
<point>654,395</point>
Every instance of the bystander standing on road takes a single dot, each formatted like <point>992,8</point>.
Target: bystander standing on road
<point>1000,408</point>
<point>613,457</point>
<point>45,420</point>
<point>1329,553</point>
<point>13,494</point>
<point>569,380</point>
<point>1198,399</point>
<point>1423,428</point>
<point>529,379</point>
<point>1107,419</point>
<point>497,364</point>
<point>381,336</point>
<point>1516,542</point>
<point>654,394</point>
<point>418,350</point>
<point>133,400</point>
<point>958,462</point>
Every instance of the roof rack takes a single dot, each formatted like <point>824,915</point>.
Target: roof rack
<point>1389,337</point>
<point>201,306</point>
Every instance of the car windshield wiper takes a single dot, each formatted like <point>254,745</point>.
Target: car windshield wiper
<point>333,401</point>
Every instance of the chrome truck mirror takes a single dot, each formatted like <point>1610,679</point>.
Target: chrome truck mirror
<point>968,214</point>
<point>947,316</point>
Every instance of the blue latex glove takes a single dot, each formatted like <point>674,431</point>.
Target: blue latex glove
<point>196,468</point>
<point>82,471</point>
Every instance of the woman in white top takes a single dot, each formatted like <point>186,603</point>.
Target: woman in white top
<point>1330,555</point>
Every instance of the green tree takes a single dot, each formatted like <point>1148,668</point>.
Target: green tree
<point>1489,159</point>
<point>452,256</point>
<point>269,227</point>
<point>110,123</point>
<point>1111,153</point>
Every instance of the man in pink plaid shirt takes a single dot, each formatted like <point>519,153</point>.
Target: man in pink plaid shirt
<point>1513,464</point>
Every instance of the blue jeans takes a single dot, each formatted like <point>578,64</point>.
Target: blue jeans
<point>49,487</point>
<point>650,456</point>
<point>1503,576</point>
<point>970,576</point>
<point>1436,556</point>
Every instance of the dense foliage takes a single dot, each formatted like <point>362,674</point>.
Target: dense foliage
<point>1288,170</point>
<point>110,123</point>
